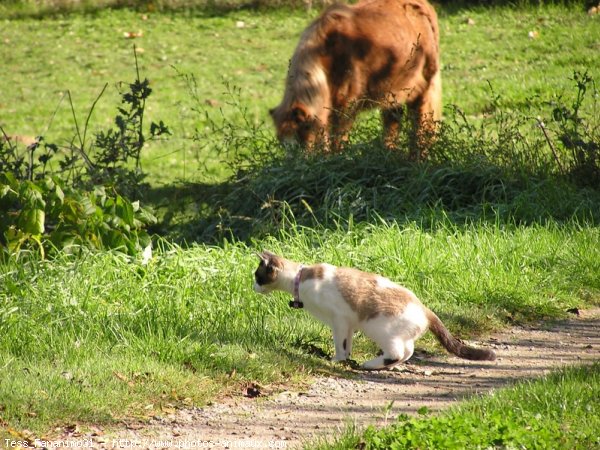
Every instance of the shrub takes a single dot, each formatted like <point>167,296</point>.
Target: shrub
<point>47,215</point>
<point>578,134</point>
<point>85,198</point>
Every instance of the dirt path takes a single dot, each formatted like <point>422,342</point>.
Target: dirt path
<point>289,419</point>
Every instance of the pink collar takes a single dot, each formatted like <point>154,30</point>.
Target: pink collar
<point>297,303</point>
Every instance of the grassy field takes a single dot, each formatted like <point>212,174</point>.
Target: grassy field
<point>484,241</point>
<point>82,52</point>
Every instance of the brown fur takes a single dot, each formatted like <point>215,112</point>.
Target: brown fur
<point>377,53</point>
<point>454,345</point>
<point>267,269</point>
<point>366,298</point>
<point>312,273</point>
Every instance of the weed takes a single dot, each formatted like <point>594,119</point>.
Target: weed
<point>48,216</point>
<point>493,169</point>
<point>578,133</point>
<point>85,202</point>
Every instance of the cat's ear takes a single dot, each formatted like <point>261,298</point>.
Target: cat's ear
<point>271,261</point>
<point>264,256</point>
<point>260,256</point>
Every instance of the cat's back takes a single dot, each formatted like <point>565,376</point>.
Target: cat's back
<point>371,295</point>
<point>318,274</point>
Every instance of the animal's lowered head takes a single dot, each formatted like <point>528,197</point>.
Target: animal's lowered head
<point>297,124</point>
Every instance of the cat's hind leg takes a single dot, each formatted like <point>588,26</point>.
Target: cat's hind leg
<point>409,349</point>
<point>393,354</point>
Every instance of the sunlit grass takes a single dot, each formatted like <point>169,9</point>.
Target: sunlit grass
<point>45,59</point>
<point>558,411</point>
<point>106,336</point>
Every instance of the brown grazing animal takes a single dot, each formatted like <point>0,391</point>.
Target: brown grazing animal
<point>375,54</point>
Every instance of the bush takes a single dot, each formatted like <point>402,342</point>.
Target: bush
<point>85,198</point>
<point>47,215</point>
<point>577,134</point>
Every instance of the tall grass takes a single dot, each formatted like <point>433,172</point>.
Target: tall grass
<point>373,184</point>
<point>507,167</point>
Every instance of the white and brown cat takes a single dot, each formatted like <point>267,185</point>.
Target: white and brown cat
<point>349,300</point>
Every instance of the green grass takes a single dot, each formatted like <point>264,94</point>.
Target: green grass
<point>98,337</point>
<point>81,52</point>
<point>105,337</point>
<point>559,411</point>
<point>370,184</point>
<point>212,49</point>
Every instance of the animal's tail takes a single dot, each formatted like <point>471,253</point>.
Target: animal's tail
<point>455,346</point>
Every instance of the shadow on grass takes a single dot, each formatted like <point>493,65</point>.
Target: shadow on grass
<point>364,185</point>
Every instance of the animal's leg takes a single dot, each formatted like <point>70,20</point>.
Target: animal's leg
<point>321,140</point>
<point>393,354</point>
<point>425,114</point>
<point>417,143</point>
<point>342,340</point>
<point>392,119</point>
<point>347,344</point>
<point>409,349</point>
<point>341,122</point>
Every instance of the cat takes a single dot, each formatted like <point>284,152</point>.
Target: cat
<point>347,300</point>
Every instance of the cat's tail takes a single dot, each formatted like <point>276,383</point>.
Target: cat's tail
<point>454,345</point>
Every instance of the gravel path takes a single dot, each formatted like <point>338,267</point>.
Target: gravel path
<point>290,419</point>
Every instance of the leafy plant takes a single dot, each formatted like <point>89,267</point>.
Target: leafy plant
<point>23,164</point>
<point>578,134</point>
<point>113,159</point>
<point>47,215</point>
<point>116,149</point>
<point>84,199</point>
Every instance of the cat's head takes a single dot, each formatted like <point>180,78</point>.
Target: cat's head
<point>269,267</point>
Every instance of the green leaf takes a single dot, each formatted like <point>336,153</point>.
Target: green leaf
<point>4,189</point>
<point>89,209</point>
<point>12,234</point>
<point>32,194</point>
<point>59,193</point>
<point>125,211</point>
<point>32,221</point>
<point>10,179</point>
<point>100,193</point>
<point>146,217</point>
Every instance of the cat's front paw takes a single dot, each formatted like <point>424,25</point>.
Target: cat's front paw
<point>347,362</point>
<point>338,359</point>
<point>380,363</point>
